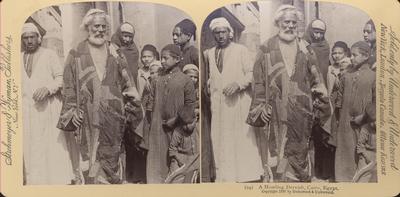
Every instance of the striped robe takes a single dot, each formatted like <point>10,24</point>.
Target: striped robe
<point>101,100</point>
<point>292,107</point>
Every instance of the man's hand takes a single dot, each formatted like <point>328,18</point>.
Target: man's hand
<point>266,113</point>
<point>357,120</point>
<point>77,118</point>
<point>320,90</point>
<point>231,89</point>
<point>131,93</point>
<point>189,127</point>
<point>40,94</point>
<point>171,122</point>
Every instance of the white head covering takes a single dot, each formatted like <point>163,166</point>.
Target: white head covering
<point>318,24</point>
<point>281,11</point>
<point>30,27</point>
<point>221,22</point>
<point>89,16</point>
<point>126,27</point>
<point>190,67</point>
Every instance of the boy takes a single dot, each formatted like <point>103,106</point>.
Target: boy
<point>355,95</point>
<point>183,149</point>
<point>172,102</point>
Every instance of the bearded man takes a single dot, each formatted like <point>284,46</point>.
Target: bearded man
<point>95,82</point>
<point>285,79</point>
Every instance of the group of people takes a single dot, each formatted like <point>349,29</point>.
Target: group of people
<point>115,115</point>
<point>104,118</point>
<point>292,115</point>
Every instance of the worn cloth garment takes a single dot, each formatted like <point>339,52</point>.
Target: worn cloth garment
<point>184,146</point>
<point>46,157</point>
<point>131,54</point>
<point>190,55</point>
<point>356,93</point>
<point>233,141</point>
<point>321,50</point>
<point>207,155</point>
<point>292,109</point>
<point>101,101</point>
<point>372,57</point>
<point>173,96</point>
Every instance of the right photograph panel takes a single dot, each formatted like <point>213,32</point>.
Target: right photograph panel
<point>288,93</point>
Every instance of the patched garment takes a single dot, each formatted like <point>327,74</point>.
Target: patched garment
<point>292,110</point>
<point>100,97</point>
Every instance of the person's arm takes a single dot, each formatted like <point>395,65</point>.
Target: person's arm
<point>57,73</point>
<point>246,66</point>
<point>260,108</point>
<point>186,112</point>
<point>69,108</point>
<point>195,56</point>
<point>127,84</point>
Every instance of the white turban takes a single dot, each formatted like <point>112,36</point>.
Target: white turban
<point>29,28</point>
<point>89,17</point>
<point>221,22</point>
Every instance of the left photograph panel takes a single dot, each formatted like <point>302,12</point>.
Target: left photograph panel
<point>110,95</point>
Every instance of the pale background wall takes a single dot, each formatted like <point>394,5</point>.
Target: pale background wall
<point>153,23</point>
<point>344,22</point>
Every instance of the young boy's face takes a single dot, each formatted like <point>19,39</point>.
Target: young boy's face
<point>147,58</point>
<point>153,72</point>
<point>357,57</point>
<point>338,54</point>
<point>194,75</point>
<point>168,61</point>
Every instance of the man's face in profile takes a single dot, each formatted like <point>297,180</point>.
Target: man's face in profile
<point>369,33</point>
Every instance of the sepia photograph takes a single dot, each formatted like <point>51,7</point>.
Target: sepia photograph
<point>288,93</point>
<point>109,92</point>
<point>199,98</point>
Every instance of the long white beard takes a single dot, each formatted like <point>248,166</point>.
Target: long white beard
<point>96,41</point>
<point>288,37</point>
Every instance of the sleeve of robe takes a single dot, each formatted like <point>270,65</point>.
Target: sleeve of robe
<point>57,73</point>
<point>186,112</point>
<point>246,68</point>
<point>322,108</point>
<point>258,98</point>
<point>194,55</point>
<point>69,93</point>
